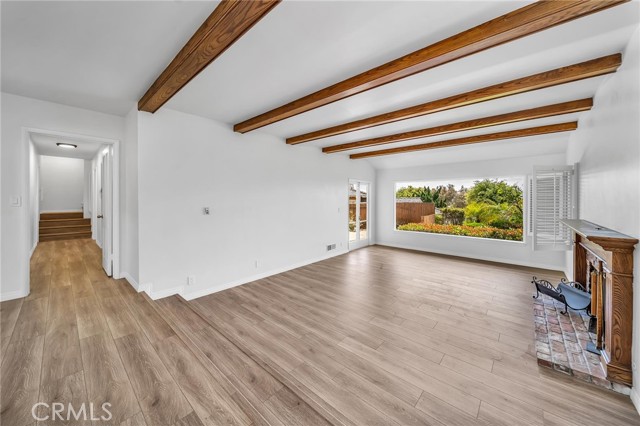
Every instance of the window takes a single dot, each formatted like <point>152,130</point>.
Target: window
<point>553,199</point>
<point>482,208</point>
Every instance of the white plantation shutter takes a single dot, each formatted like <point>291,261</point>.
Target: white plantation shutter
<point>529,205</point>
<point>553,200</point>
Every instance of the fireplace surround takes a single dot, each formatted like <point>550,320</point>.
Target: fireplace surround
<point>603,264</point>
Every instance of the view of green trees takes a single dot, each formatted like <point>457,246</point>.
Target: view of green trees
<point>491,208</point>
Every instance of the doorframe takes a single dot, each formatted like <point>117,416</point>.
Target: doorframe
<point>26,131</point>
<point>369,204</point>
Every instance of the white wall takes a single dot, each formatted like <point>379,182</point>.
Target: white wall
<point>19,112</point>
<point>86,191</point>
<point>129,222</point>
<point>607,145</point>
<point>275,204</point>
<point>61,184</point>
<point>519,253</point>
<point>34,195</point>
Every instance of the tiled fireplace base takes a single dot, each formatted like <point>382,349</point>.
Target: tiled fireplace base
<point>561,342</point>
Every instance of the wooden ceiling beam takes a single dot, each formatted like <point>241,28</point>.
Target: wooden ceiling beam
<point>527,20</point>
<point>521,133</point>
<point>226,24</point>
<point>478,123</point>
<point>593,68</point>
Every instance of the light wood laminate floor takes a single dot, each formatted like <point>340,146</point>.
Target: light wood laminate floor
<point>395,337</point>
<point>376,337</point>
<point>81,337</point>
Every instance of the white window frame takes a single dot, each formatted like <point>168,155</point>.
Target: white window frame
<point>525,219</point>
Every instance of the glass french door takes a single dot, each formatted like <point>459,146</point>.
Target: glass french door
<point>358,214</point>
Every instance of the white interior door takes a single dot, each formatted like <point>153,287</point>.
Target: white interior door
<point>98,201</point>
<point>358,214</point>
<point>105,213</point>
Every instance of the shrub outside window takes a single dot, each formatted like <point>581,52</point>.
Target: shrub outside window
<point>482,208</point>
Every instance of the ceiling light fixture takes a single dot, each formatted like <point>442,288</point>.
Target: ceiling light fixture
<point>66,145</point>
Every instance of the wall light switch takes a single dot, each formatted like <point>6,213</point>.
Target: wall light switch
<point>15,201</point>
<point>206,211</point>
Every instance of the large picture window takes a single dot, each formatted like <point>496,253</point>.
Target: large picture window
<point>482,208</point>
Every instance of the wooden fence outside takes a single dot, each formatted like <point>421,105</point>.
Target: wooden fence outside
<point>413,212</point>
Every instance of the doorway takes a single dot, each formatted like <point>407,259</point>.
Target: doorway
<point>101,201</point>
<point>359,232</point>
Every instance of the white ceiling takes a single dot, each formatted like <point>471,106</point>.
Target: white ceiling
<point>96,55</point>
<point>300,47</point>
<point>46,145</point>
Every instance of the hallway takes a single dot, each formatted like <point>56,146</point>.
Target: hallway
<point>81,337</point>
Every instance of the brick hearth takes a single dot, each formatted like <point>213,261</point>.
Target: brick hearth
<point>561,342</point>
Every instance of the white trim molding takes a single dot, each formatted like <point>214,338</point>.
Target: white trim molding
<point>483,258</point>
<point>635,397</point>
<point>133,283</point>
<point>235,283</point>
<point>13,295</point>
<point>180,290</point>
<point>62,211</point>
<point>155,295</point>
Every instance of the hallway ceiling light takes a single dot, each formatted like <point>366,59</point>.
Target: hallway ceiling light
<point>66,145</point>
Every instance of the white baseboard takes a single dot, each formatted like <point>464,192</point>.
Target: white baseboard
<point>635,397</point>
<point>160,294</point>
<point>33,249</point>
<point>224,286</point>
<point>485,258</point>
<point>61,211</point>
<point>141,287</point>
<point>127,276</point>
<point>10,295</point>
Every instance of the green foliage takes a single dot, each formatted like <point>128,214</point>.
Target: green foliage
<point>438,219</point>
<point>497,192</point>
<point>503,216</point>
<point>409,192</point>
<point>473,224</point>
<point>481,212</point>
<point>453,197</point>
<point>426,194</point>
<point>434,196</point>
<point>452,216</point>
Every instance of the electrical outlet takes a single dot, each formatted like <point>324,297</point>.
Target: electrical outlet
<point>206,211</point>
<point>331,247</point>
<point>191,280</point>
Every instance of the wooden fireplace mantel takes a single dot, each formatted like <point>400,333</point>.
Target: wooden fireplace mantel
<point>615,317</point>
